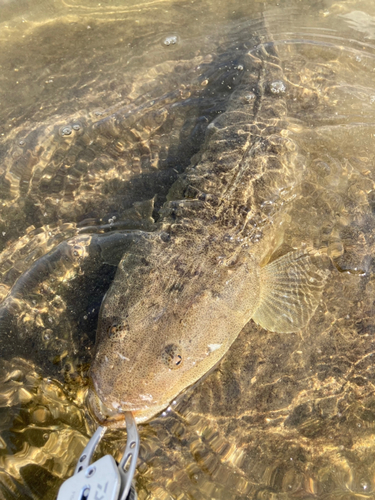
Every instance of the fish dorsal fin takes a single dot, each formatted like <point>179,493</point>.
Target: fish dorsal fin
<point>290,290</point>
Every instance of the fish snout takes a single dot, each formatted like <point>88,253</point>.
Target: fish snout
<point>101,413</point>
<point>113,415</point>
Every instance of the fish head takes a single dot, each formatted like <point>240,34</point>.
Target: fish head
<point>164,323</point>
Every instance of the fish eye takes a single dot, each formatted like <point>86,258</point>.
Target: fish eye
<point>172,356</point>
<point>113,329</point>
<point>117,329</point>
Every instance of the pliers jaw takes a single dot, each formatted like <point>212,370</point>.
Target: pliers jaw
<point>112,481</point>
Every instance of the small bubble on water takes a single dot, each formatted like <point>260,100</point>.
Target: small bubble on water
<point>66,131</point>
<point>249,97</point>
<point>240,67</point>
<point>364,484</point>
<point>170,40</point>
<point>278,87</point>
<point>21,143</point>
<point>76,126</point>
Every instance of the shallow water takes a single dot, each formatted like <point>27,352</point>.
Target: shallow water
<point>102,105</point>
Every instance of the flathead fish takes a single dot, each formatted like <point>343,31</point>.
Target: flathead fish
<point>183,293</point>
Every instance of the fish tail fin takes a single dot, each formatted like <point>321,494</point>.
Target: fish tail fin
<point>290,290</point>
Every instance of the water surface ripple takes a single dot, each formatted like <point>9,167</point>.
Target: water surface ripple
<point>102,105</point>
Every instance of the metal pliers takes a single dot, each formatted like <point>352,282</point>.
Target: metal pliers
<point>104,479</point>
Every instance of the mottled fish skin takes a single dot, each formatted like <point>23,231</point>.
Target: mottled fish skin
<point>109,171</point>
<point>181,297</point>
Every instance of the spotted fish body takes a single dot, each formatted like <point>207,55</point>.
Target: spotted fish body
<point>182,295</point>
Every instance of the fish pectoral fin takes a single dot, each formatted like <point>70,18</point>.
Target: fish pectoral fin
<point>290,290</point>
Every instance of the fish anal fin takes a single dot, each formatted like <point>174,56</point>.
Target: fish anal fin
<point>290,290</point>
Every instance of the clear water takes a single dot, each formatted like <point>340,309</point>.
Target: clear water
<point>101,105</point>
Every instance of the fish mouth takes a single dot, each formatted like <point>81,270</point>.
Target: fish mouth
<point>115,417</point>
<point>102,414</point>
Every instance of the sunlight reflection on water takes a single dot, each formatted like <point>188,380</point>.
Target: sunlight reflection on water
<point>102,106</point>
